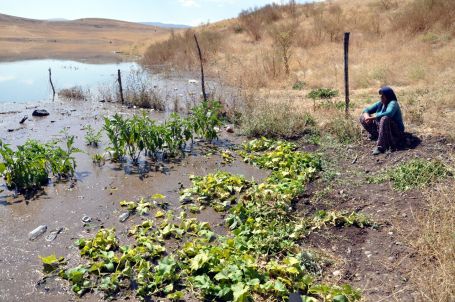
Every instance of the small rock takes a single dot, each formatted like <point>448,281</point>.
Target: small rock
<point>11,130</point>
<point>192,81</point>
<point>230,129</point>
<point>398,243</point>
<point>391,258</point>
<point>336,273</point>
<point>40,112</point>
<point>390,233</point>
<point>404,215</point>
<point>368,254</point>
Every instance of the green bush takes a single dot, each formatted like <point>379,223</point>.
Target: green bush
<point>323,93</point>
<point>299,85</point>
<point>416,173</point>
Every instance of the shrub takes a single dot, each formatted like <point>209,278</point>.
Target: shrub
<point>323,93</point>
<point>73,93</point>
<point>139,91</point>
<point>180,49</point>
<point>422,15</point>
<point>345,130</point>
<point>299,85</point>
<point>270,119</point>
<point>415,173</point>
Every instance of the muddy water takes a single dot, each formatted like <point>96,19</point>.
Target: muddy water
<point>96,193</point>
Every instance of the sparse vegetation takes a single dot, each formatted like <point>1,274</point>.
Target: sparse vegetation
<point>435,269</point>
<point>74,93</point>
<point>139,91</point>
<point>345,130</point>
<point>416,173</point>
<point>92,137</point>
<point>262,117</point>
<point>323,93</point>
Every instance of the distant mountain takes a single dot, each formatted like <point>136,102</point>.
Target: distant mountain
<point>57,19</point>
<point>165,25</point>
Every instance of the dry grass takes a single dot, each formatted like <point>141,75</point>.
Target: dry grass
<point>435,272</point>
<point>261,115</point>
<point>180,49</point>
<point>73,93</point>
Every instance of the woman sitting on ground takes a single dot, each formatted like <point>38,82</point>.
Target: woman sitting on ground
<point>383,121</point>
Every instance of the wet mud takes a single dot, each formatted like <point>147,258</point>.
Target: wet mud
<point>95,194</point>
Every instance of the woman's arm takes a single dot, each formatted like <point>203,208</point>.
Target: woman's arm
<point>372,108</point>
<point>392,107</point>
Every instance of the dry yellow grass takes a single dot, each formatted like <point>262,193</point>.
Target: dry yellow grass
<point>435,272</point>
<point>418,65</point>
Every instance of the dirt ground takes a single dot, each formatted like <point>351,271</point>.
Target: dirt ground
<point>378,261</point>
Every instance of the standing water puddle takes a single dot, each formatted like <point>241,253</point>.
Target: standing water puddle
<point>28,82</point>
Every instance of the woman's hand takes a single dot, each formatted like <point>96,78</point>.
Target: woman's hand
<point>368,118</point>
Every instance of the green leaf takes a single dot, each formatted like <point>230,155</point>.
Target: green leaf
<point>340,298</point>
<point>159,214</point>
<point>280,287</point>
<point>240,292</point>
<point>199,260</point>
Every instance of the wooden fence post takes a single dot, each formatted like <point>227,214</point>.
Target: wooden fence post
<point>119,79</point>
<point>346,71</point>
<point>202,69</point>
<point>52,84</point>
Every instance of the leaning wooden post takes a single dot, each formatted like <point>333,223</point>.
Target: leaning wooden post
<point>202,69</point>
<point>346,71</point>
<point>119,79</point>
<point>52,84</point>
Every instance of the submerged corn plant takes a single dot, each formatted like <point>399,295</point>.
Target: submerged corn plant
<point>132,136</point>
<point>29,167</point>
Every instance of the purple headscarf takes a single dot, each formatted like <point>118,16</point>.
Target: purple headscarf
<point>388,93</point>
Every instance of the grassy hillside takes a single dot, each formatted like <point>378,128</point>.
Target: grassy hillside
<point>408,45</point>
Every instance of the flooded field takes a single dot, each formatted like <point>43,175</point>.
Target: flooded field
<point>96,193</point>
<point>28,82</point>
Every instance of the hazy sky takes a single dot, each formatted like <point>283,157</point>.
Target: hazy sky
<point>190,12</point>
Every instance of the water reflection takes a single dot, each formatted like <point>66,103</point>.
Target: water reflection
<point>28,81</point>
